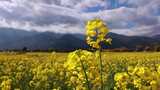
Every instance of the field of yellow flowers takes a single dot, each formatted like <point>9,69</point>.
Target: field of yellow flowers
<point>63,71</point>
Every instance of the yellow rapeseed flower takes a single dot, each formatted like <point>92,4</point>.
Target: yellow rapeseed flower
<point>73,60</point>
<point>121,76</point>
<point>96,32</point>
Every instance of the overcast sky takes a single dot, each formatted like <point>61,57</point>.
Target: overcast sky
<point>129,17</point>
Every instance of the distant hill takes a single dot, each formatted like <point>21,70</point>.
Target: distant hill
<point>9,36</point>
<point>131,42</point>
<point>157,37</point>
<point>11,39</point>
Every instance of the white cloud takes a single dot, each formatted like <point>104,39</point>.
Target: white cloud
<point>138,3</point>
<point>140,31</point>
<point>68,16</point>
<point>89,3</point>
<point>38,17</point>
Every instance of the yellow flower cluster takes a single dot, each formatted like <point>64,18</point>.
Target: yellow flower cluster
<point>96,32</point>
<point>78,62</point>
<point>73,60</point>
<point>140,77</point>
<point>52,71</point>
<point>121,80</point>
<point>6,83</point>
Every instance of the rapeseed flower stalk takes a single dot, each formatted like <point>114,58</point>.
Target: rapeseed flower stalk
<point>96,32</point>
<point>76,60</point>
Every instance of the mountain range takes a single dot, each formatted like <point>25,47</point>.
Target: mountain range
<point>14,39</point>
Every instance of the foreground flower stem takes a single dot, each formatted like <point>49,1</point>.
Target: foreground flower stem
<point>101,68</point>
<point>85,73</point>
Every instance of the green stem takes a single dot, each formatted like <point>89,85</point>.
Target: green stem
<point>101,68</point>
<point>85,73</point>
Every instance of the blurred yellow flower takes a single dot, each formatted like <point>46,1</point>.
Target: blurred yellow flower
<point>73,60</point>
<point>121,76</point>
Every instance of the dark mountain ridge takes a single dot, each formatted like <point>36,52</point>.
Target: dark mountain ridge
<point>13,39</point>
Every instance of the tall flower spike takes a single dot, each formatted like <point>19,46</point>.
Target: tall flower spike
<point>96,32</point>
